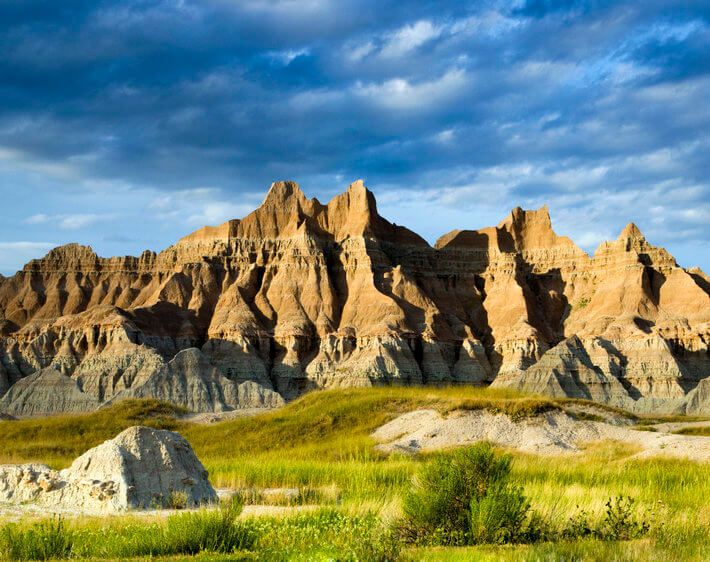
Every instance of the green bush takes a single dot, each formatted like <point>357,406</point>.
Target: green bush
<point>457,496</point>
<point>500,516</point>
<point>43,541</point>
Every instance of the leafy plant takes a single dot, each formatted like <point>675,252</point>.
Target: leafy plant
<point>578,527</point>
<point>620,523</point>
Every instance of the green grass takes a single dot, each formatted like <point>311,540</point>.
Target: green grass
<point>325,534</point>
<point>703,431</point>
<point>58,440</point>
<point>651,419</point>
<point>321,441</point>
<point>589,551</point>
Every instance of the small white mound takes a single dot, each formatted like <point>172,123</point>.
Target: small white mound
<point>552,433</point>
<point>140,468</point>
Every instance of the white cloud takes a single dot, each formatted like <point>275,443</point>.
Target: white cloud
<point>445,136</point>
<point>285,57</point>
<point>68,221</point>
<point>316,99</point>
<point>488,24</point>
<point>40,218</point>
<point>33,164</point>
<point>409,38</point>
<point>399,93</point>
<point>201,206</point>
<point>358,52</point>
<point>73,222</point>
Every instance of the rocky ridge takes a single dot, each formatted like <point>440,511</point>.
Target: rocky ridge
<point>301,295</point>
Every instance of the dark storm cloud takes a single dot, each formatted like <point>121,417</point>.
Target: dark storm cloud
<point>585,105</point>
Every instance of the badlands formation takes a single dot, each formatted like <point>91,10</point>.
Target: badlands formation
<point>301,295</point>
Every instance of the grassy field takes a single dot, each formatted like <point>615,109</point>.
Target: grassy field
<point>320,444</point>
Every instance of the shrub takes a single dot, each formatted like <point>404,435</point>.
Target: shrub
<point>453,491</point>
<point>620,523</point>
<point>43,541</point>
<point>178,500</point>
<point>578,527</point>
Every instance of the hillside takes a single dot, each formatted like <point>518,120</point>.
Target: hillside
<point>300,295</point>
<point>320,453</point>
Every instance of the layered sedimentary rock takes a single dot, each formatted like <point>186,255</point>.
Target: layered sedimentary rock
<point>44,393</point>
<point>301,295</point>
<point>189,380</point>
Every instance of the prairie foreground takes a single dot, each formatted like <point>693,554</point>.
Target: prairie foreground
<point>316,487</point>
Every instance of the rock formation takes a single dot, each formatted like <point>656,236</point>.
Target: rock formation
<point>139,468</point>
<point>301,295</point>
<point>44,393</point>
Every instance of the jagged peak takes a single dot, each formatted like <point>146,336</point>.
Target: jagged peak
<point>630,231</point>
<point>352,212</point>
<point>519,217</point>
<point>357,185</point>
<point>357,198</point>
<point>532,229</point>
<point>281,191</point>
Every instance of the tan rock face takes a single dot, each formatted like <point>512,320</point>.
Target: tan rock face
<point>301,295</point>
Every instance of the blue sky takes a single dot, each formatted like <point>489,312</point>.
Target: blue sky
<point>127,124</point>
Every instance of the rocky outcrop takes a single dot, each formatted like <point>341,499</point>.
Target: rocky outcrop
<point>568,370</point>
<point>697,401</point>
<point>189,380</point>
<point>301,295</point>
<point>140,468</point>
<point>44,393</point>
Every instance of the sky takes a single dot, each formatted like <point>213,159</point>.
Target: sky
<point>127,124</point>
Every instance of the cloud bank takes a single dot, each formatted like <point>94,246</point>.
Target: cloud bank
<point>124,125</point>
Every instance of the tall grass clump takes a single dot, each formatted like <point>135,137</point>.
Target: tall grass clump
<point>191,533</point>
<point>44,541</point>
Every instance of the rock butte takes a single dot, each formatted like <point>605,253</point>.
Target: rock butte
<point>301,295</point>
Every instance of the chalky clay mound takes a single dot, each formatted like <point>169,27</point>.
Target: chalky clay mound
<point>552,433</point>
<point>138,469</point>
